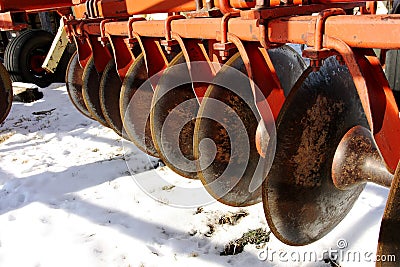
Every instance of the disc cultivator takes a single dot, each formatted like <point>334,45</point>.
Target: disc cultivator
<point>214,92</point>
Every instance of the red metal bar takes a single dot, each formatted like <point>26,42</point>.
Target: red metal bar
<point>366,31</point>
<point>20,5</point>
<point>353,30</point>
<point>207,28</point>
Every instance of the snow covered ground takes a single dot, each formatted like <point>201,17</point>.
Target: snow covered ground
<point>68,198</point>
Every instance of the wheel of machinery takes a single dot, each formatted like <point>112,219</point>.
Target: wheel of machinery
<point>24,56</point>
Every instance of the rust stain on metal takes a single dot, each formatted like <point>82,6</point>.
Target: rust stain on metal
<point>313,140</point>
<point>357,160</point>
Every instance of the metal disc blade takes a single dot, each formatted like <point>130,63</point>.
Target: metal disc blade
<point>90,91</point>
<point>135,104</point>
<point>389,236</point>
<point>288,64</point>
<point>224,139</point>
<point>172,118</point>
<point>230,167</point>
<point>6,93</point>
<point>73,80</point>
<point>110,90</point>
<point>301,203</point>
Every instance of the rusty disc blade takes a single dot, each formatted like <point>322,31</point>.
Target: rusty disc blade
<point>110,90</point>
<point>288,64</point>
<point>229,119</point>
<point>90,92</point>
<point>73,80</point>
<point>172,118</point>
<point>224,140</point>
<point>301,203</point>
<point>6,93</point>
<point>135,104</point>
<point>389,235</point>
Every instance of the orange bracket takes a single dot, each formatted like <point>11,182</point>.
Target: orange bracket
<point>131,38</point>
<point>317,53</point>
<point>168,43</point>
<point>225,48</point>
<point>103,38</point>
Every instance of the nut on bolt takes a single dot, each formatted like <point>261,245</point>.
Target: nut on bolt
<point>316,64</point>
<point>130,42</point>
<point>168,44</point>
<point>225,49</point>
<point>103,40</point>
<point>317,56</point>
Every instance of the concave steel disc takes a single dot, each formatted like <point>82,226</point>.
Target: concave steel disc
<point>389,235</point>
<point>301,203</point>
<point>90,92</point>
<point>288,64</point>
<point>229,165</point>
<point>73,80</point>
<point>135,104</point>
<point>173,117</point>
<point>6,93</point>
<point>110,90</point>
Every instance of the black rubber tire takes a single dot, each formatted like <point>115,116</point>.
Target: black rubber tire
<point>392,68</point>
<point>22,56</point>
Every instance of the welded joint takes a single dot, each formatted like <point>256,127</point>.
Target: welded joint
<point>169,43</point>
<point>318,53</point>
